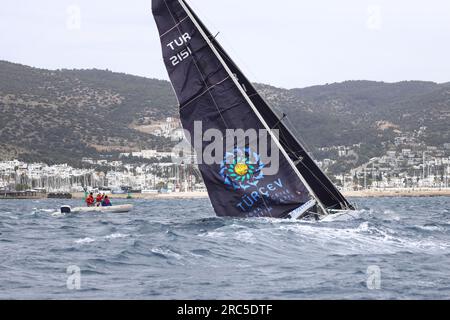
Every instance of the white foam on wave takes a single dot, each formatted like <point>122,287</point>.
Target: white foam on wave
<point>167,253</point>
<point>233,231</point>
<point>213,234</point>
<point>431,228</point>
<point>84,240</point>
<point>245,236</point>
<point>390,215</point>
<point>116,236</point>
<point>105,238</point>
<point>362,239</point>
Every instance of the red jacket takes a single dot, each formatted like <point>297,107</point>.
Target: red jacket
<point>90,200</point>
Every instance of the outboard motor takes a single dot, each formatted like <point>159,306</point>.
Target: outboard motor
<point>66,209</point>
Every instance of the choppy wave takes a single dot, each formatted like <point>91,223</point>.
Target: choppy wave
<point>164,247</point>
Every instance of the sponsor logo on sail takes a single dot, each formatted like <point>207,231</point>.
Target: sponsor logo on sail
<point>242,169</point>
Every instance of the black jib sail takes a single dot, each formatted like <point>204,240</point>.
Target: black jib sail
<point>214,96</point>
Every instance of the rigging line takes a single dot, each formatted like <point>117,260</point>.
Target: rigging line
<point>163,34</point>
<point>297,135</point>
<point>279,121</point>
<point>315,176</point>
<point>196,65</point>
<point>225,56</point>
<point>332,194</point>
<point>342,198</point>
<point>201,94</point>
<point>326,188</point>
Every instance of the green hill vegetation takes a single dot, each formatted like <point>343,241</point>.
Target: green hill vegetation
<point>64,115</point>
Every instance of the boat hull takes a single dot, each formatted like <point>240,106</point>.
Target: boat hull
<point>113,209</point>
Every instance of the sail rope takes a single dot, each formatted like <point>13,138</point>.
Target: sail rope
<point>332,194</point>
<point>178,23</point>
<point>203,93</point>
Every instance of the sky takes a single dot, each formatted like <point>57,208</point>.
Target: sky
<point>286,43</point>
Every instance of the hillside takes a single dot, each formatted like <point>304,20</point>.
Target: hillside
<point>383,109</point>
<point>58,116</point>
<point>61,116</point>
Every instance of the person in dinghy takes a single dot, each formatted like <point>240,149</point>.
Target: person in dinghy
<point>106,202</point>
<point>90,201</point>
<point>99,200</point>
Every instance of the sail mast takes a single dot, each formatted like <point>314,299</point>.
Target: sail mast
<point>250,102</point>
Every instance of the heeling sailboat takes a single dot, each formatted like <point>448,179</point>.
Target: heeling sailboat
<point>212,90</point>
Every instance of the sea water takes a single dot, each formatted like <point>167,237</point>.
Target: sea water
<point>392,248</point>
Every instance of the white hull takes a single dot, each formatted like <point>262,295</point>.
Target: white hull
<point>340,215</point>
<point>335,215</point>
<point>113,209</point>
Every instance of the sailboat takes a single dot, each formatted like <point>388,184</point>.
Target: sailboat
<point>213,91</point>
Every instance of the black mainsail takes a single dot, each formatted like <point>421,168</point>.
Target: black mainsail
<point>212,91</point>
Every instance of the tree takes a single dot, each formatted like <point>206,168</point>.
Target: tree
<point>22,187</point>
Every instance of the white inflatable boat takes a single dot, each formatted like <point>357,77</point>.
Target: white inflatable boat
<point>113,209</point>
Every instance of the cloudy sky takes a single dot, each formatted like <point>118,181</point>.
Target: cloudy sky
<point>287,43</point>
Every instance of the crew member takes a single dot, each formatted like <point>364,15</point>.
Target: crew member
<point>99,200</point>
<point>90,200</point>
<point>106,202</point>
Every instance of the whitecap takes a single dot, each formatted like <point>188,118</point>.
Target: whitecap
<point>84,240</point>
<point>430,228</point>
<point>167,253</point>
<point>116,236</point>
<point>245,236</point>
<point>362,239</point>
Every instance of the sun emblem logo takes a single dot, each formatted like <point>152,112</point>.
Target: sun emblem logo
<point>242,169</point>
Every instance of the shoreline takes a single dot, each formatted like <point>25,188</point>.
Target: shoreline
<point>350,194</point>
<point>150,196</point>
<point>204,195</point>
<point>413,193</point>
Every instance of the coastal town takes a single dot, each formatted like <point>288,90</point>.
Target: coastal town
<point>410,166</point>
